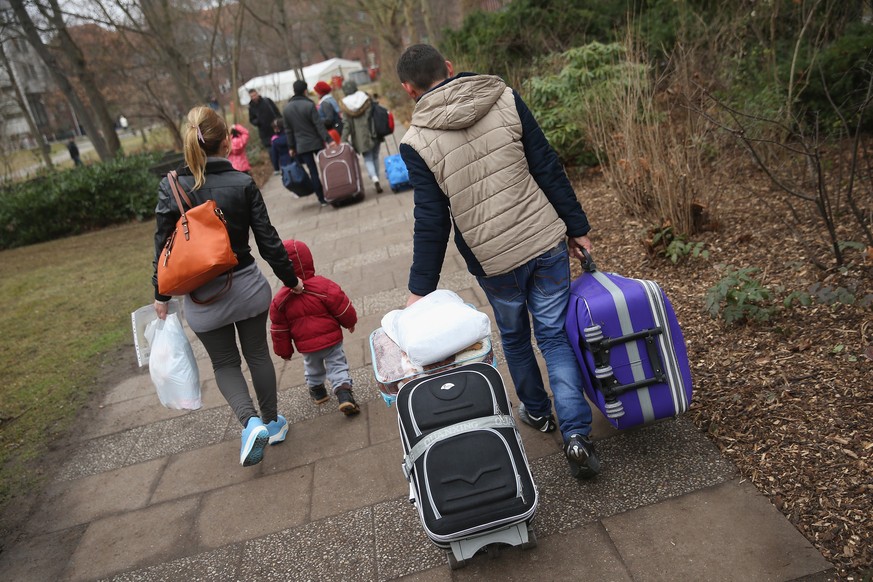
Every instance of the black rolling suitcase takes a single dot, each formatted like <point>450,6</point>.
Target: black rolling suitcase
<point>463,456</point>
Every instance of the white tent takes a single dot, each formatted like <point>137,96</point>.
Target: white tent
<point>277,86</point>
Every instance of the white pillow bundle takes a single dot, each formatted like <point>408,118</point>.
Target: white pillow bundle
<point>435,327</point>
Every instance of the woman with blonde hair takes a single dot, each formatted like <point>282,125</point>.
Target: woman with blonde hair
<point>242,310</point>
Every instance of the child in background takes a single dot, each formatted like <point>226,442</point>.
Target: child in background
<point>313,321</point>
<point>239,138</point>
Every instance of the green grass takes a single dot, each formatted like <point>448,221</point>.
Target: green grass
<point>64,303</point>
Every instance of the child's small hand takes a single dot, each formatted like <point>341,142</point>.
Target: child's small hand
<point>352,329</point>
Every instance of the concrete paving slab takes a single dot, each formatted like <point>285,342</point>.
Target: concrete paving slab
<point>40,558</point>
<point>255,508</point>
<point>383,424</point>
<point>432,575</point>
<point>133,387</point>
<point>202,470</point>
<point>586,553</point>
<point>726,532</point>
<point>402,547</point>
<point>639,468</point>
<point>196,429</point>
<point>338,549</point>
<point>221,565</point>
<point>155,534</point>
<point>329,436</point>
<point>127,414</point>
<point>100,454</point>
<point>375,472</point>
<point>68,503</point>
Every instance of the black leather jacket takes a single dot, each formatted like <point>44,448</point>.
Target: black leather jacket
<point>243,206</point>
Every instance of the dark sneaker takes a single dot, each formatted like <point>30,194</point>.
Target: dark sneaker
<point>378,186</point>
<point>581,457</point>
<point>347,404</point>
<point>318,394</point>
<point>545,423</point>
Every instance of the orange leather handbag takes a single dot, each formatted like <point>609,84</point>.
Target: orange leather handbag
<point>198,250</point>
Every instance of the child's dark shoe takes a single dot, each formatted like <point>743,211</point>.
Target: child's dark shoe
<point>318,394</point>
<point>347,404</point>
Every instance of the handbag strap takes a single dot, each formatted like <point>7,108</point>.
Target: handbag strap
<point>179,194</point>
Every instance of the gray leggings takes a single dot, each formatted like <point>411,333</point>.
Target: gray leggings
<point>221,346</point>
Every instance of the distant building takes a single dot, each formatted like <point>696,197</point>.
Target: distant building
<point>24,68</point>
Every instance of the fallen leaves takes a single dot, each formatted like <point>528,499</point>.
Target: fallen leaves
<point>790,402</point>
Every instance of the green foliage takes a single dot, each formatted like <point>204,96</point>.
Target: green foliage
<point>559,98</point>
<point>507,41</point>
<point>828,295</point>
<point>740,296</point>
<point>76,201</point>
<point>842,70</point>
<point>674,246</point>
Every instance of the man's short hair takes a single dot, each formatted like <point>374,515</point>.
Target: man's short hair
<point>422,66</point>
<point>299,87</point>
<point>252,91</point>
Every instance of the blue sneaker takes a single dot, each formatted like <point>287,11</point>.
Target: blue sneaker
<point>255,437</point>
<point>277,429</point>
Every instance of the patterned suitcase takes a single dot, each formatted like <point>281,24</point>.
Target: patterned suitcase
<point>340,174</point>
<point>630,348</point>
<point>466,466</point>
<point>393,368</point>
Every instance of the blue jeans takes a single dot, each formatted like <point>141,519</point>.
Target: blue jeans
<point>308,159</point>
<point>371,161</point>
<point>540,289</point>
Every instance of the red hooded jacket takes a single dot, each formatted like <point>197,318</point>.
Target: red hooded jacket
<point>312,319</point>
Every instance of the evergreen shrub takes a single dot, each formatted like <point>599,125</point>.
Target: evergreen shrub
<point>70,202</point>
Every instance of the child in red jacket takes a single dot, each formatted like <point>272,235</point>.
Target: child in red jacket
<point>239,138</point>
<point>313,321</point>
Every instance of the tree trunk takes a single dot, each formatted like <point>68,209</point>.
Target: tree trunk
<point>60,78</point>
<point>89,84</point>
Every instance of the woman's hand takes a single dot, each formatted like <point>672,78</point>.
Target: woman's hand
<point>161,309</point>
<point>297,289</point>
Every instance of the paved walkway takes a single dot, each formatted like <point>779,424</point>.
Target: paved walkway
<point>153,494</point>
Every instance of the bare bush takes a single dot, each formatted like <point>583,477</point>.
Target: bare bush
<point>652,147</point>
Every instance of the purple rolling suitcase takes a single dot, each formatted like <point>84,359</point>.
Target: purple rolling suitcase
<point>629,346</point>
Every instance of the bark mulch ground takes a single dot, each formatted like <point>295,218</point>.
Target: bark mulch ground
<point>789,400</point>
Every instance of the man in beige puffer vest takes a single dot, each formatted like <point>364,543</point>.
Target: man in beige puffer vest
<point>480,163</point>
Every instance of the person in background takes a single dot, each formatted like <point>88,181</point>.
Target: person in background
<point>515,214</point>
<point>240,313</point>
<point>306,133</point>
<point>239,138</point>
<point>358,130</point>
<point>314,321</point>
<point>329,111</point>
<point>74,152</point>
<point>262,112</point>
<point>280,155</point>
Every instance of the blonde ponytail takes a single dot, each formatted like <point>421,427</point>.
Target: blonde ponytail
<point>204,136</point>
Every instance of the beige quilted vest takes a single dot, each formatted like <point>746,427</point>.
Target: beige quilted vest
<point>468,132</point>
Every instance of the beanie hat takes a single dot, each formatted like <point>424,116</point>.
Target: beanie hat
<point>350,87</point>
<point>322,88</point>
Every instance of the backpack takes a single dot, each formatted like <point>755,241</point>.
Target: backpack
<point>383,121</point>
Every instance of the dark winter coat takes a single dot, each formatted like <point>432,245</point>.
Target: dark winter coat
<point>243,207</point>
<point>261,115</point>
<point>314,319</point>
<point>303,126</point>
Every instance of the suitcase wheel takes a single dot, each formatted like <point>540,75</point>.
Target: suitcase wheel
<point>531,539</point>
<point>455,563</point>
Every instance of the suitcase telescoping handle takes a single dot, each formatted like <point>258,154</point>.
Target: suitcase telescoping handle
<point>587,262</point>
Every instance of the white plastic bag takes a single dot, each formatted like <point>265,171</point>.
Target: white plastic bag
<point>172,365</point>
<point>435,327</point>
